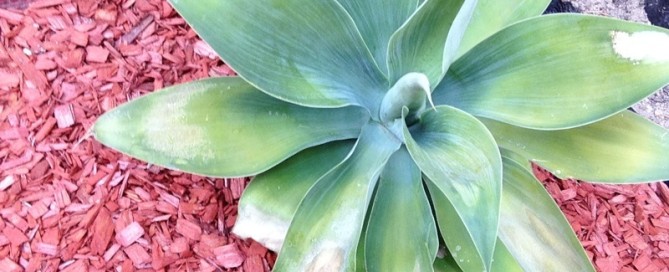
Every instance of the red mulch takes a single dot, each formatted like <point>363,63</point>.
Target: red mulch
<point>68,203</point>
<point>622,227</point>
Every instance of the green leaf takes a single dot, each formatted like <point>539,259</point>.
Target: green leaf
<point>221,127</point>
<point>503,261</point>
<point>461,242</point>
<point>462,163</point>
<point>533,228</point>
<point>491,16</point>
<point>377,20</point>
<point>446,264</point>
<point>428,41</point>
<point>271,199</point>
<point>558,71</point>
<point>624,148</point>
<point>327,225</point>
<point>306,52</point>
<point>401,232</point>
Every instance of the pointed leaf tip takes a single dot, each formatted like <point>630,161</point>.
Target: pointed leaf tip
<point>219,126</point>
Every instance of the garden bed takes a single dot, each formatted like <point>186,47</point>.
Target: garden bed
<point>68,203</point>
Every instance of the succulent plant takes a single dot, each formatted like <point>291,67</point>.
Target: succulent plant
<point>379,132</point>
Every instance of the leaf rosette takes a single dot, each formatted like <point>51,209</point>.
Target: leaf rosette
<point>378,133</point>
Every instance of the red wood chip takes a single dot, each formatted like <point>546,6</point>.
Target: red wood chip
<point>10,266</point>
<point>180,245</point>
<point>140,258</point>
<point>129,234</point>
<point>77,266</point>
<point>96,54</point>
<point>103,228</point>
<point>73,59</point>
<point>9,79</point>
<point>6,182</point>
<point>14,235</point>
<point>78,38</point>
<point>47,249</point>
<point>253,264</point>
<point>228,256</point>
<point>38,209</point>
<point>64,115</point>
<point>11,16</point>
<point>189,229</point>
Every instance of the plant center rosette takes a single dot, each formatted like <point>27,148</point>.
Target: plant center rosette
<point>398,137</point>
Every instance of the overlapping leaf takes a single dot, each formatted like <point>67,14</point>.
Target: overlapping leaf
<point>377,20</point>
<point>534,227</point>
<point>271,199</point>
<point>299,51</point>
<point>428,41</point>
<point>221,127</point>
<point>325,231</point>
<point>558,71</point>
<point>463,165</point>
<point>624,148</point>
<point>401,217</point>
<point>491,16</point>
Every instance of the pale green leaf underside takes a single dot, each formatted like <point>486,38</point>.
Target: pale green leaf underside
<point>221,127</point>
<point>327,225</point>
<point>419,45</point>
<point>624,148</point>
<point>296,50</point>
<point>533,228</point>
<point>491,16</point>
<point>558,71</point>
<point>460,157</point>
<point>377,20</point>
<point>271,199</point>
<point>401,232</point>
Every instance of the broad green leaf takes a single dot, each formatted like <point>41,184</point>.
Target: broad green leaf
<point>533,228</point>
<point>428,41</point>
<point>306,52</point>
<point>461,243</point>
<point>401,232</point>
<point>271,199</point>
<point>462,163</point>
<point>491,16</point>
<point>558,71</point>
<point>503,261</point>
<point>327,225</point>
<point>624,148</point>
<point>221,127</point>
<point>377,20</point>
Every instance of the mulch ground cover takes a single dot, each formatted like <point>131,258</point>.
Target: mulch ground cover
<point>67,203</point>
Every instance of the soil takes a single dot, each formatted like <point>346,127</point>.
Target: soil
<point>67,203</point>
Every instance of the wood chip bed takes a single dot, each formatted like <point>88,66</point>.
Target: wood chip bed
<point>69,204</point>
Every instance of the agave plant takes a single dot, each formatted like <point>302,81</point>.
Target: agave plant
<point>380,131</point>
